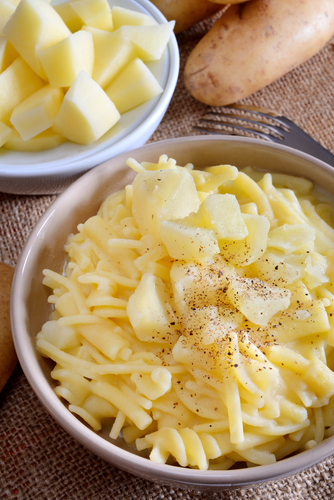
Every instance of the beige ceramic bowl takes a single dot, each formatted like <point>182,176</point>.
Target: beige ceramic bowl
<point>44,249</point>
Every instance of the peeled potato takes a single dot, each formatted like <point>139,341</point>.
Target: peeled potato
<point>254,43</point>
<point>8,357</point>
<point>186,13</point>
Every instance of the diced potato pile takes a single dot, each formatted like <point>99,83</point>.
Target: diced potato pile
<point>68,72</point>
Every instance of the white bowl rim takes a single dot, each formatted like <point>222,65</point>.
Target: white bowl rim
<point>89,161</point>
<point>166,474</point>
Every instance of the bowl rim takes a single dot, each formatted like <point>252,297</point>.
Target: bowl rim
<point>148,125</point>
<point>190,478</point>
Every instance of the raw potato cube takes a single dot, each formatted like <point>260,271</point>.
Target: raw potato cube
<point>135,85</point>
<point>63,61</point>
<point>35,25</point>
<point>38,112</point>
<point>221,212</point>
<point>5,133</point>
<point>112,53</point>
<point>41,142</point>
<point>17,83</point>
<point>162,195</point>
<point>86,112</point>
<point>95,13</point>
<point>257,300</point>
<point>128,17</point>
<point>6,10</point>
<point>71,18</point>
<point>150,41</point>
<point>7,53</point>
<point>150,312</point>
<point>188,243</point>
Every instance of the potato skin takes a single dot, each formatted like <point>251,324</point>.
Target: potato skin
<point>186,13</point>
<point>255,43</point>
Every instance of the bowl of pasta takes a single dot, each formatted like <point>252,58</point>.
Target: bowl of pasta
<point>94,85</point>
<point>184,329</point>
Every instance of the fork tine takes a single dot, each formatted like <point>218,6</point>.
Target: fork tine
<point>237,129</point>
<point>271,128</point>
<point>263,112</point>
<point>262,118</point>
<point>251,107</point>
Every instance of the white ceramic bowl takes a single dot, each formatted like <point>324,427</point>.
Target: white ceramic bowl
<point>51,171</point>
<point>44,249</point>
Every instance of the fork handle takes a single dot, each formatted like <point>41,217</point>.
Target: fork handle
<point>307,144</point>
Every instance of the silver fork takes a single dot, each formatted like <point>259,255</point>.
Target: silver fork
<point>265,124</point>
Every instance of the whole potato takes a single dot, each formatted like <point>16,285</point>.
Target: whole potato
<point>255,43</point>
<point>186,13</point>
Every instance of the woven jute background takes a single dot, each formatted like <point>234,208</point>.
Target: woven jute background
<point>38,459</point>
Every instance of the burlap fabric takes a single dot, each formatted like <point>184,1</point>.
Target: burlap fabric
<point>38,459</point>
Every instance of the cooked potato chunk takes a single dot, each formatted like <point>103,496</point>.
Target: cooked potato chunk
<point>221,212</point>
<point>162,195</point>
<point>188,243</point>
